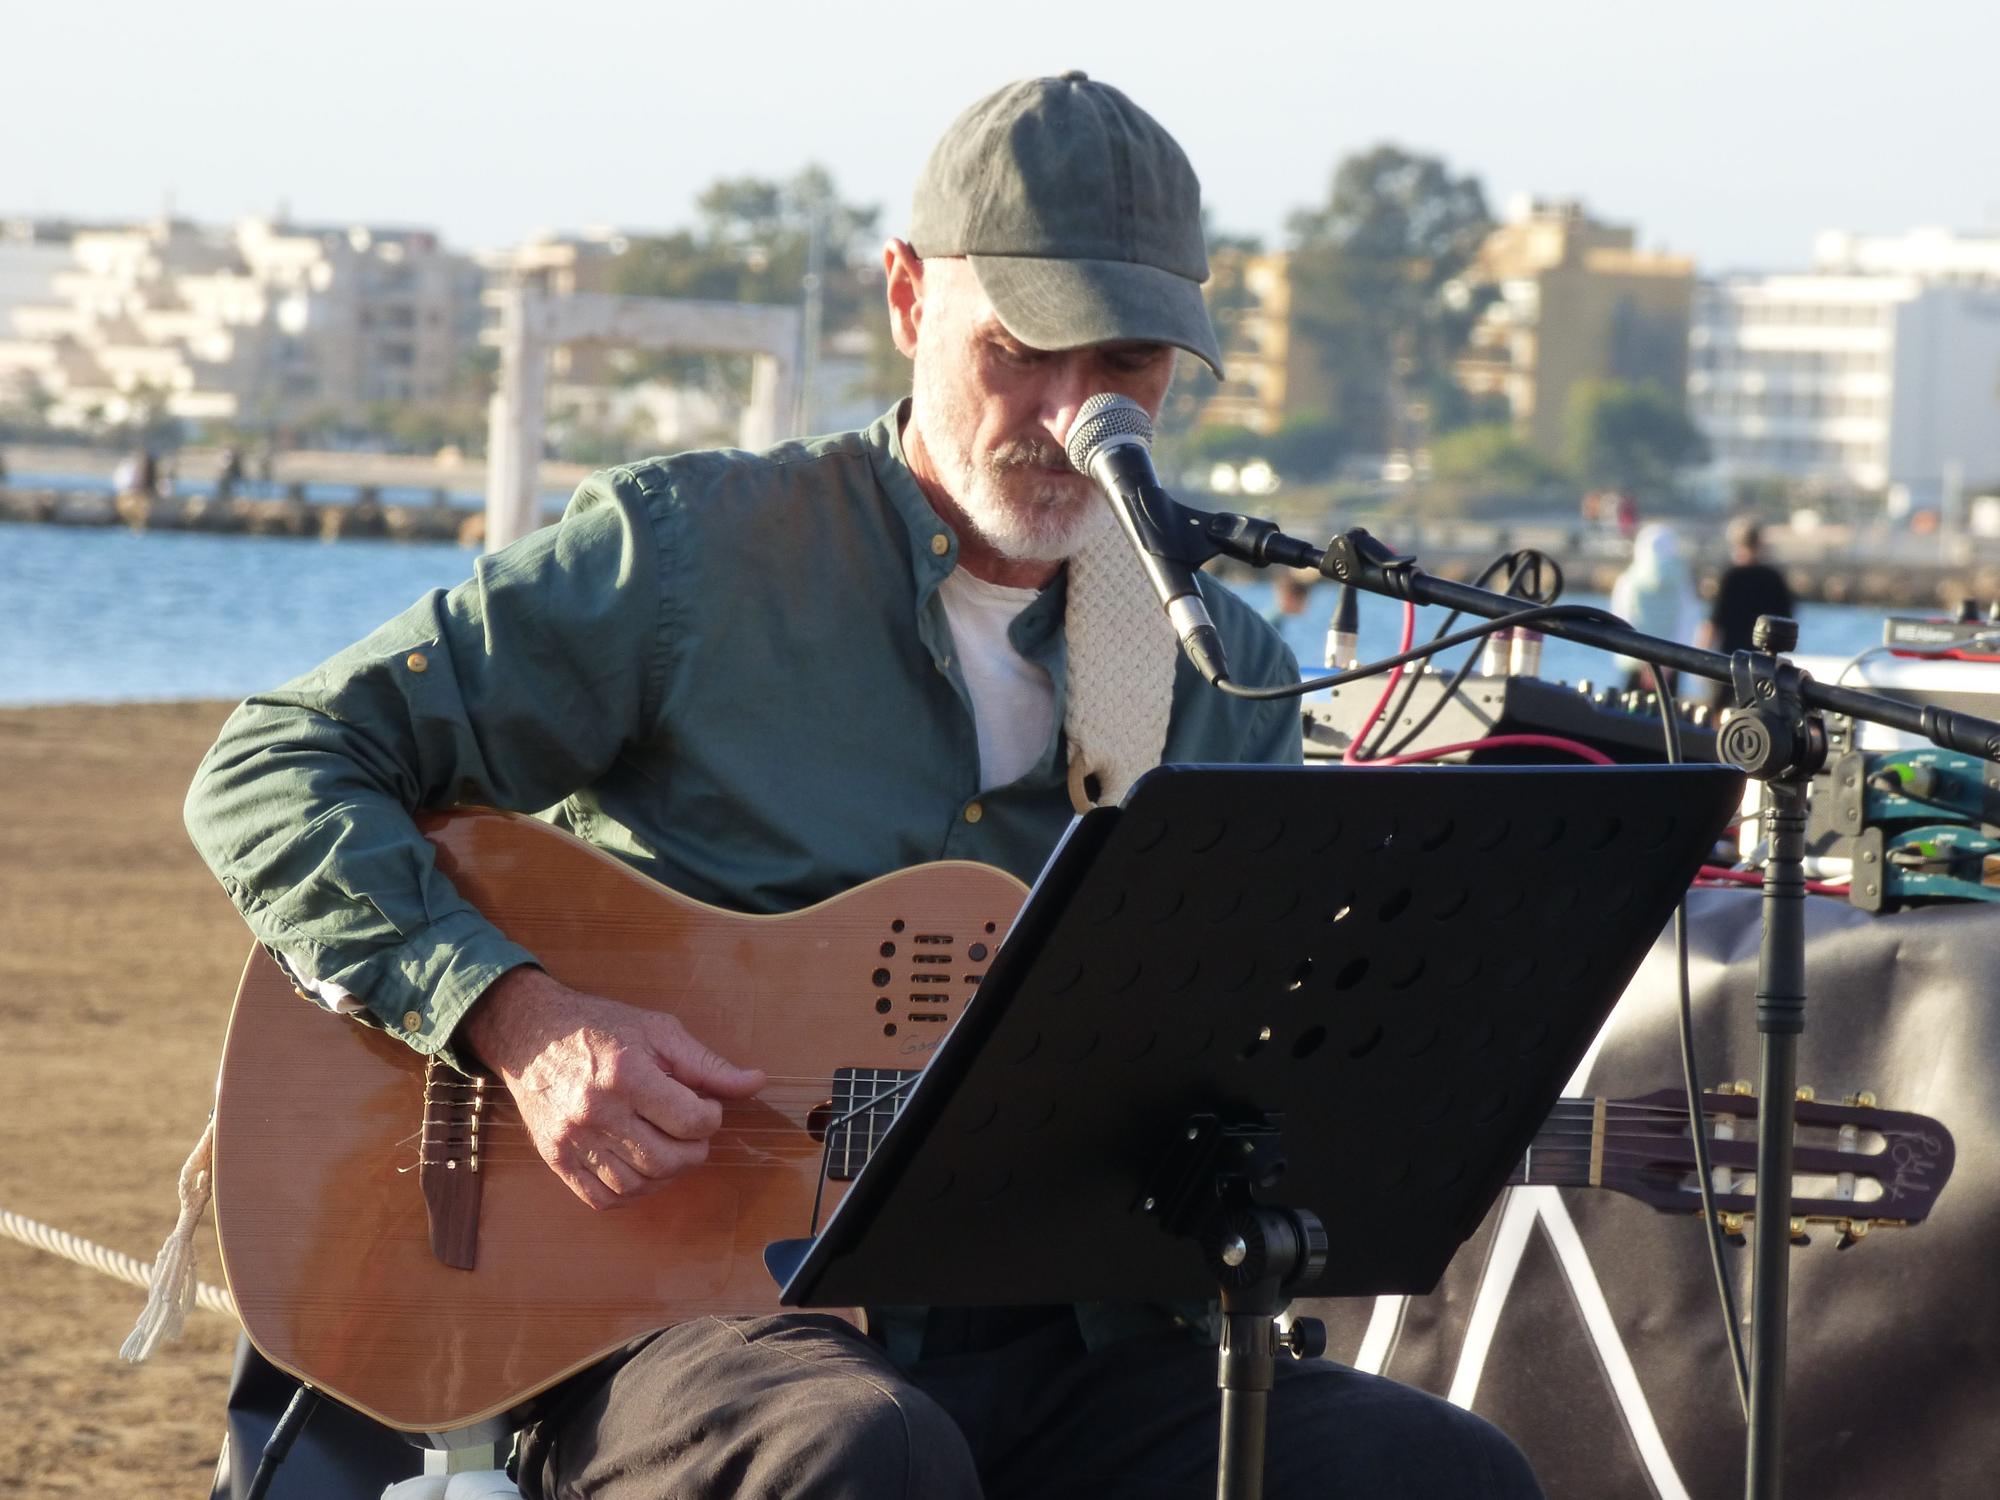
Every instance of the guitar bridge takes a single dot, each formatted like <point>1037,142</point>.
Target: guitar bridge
<point>454,1109</point>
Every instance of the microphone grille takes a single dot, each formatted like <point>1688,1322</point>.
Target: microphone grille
<point>1101,419</point>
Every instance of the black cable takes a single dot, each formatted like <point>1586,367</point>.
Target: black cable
<point>1697,1116</point>
<point>297,1412</point>
<point>1395,711</point>
<point>1528,564</point>
<point>1419,653</point>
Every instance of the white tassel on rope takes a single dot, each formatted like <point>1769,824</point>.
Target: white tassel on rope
<point>172,1292</point>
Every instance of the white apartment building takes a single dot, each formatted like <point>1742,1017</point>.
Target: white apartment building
<point>260,325</point>
<point>1880,373</point>
<point>32,254</point>
<point>1933,254</point>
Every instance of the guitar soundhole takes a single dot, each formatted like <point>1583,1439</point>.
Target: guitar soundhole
<point>931,972</point>
<point>818,1119</point>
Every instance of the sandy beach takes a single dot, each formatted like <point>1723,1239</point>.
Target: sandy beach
<point>119,959</point>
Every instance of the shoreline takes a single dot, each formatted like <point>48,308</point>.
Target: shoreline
<point>1854,576</point>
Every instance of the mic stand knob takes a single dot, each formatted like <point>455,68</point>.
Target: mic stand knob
<point>1304,1339</point>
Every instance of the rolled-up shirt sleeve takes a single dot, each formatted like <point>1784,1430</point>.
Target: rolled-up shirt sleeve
<point>513,690</point>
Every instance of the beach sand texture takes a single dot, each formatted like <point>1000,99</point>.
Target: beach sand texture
<point>119,955</point>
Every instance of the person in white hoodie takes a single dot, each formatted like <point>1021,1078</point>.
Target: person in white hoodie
<point>1656,595</point>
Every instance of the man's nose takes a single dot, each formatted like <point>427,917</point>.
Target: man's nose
<point>1067,389</point>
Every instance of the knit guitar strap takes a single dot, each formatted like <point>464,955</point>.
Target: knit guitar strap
<point>1122,653</point>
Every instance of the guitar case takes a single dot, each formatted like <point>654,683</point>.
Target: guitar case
<point>1587,1325</point>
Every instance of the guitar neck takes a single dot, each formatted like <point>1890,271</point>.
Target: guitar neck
<point>1852,1163</point>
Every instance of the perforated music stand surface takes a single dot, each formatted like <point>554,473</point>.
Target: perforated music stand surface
<point>1403,965</point>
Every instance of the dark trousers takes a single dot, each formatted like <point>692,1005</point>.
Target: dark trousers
<point>804,1406</point>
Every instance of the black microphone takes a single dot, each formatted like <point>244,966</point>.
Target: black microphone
<point>1111,440</point>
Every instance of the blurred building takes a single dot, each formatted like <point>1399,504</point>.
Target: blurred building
<point>1937,255</point>
<point>1275,370</point>
<point>563,265</point>
<point>600,395</point>
<point>265,324</point>
<point>33,252</point>
<point>1573,300</point>
<point>1879,368</point>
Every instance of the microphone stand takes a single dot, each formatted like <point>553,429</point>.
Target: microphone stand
<point>1777,735</point>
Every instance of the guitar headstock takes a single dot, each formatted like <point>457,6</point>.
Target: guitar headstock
<point>1854,1164</point>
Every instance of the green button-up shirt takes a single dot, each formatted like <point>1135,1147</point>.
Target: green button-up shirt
<point>732,670</point>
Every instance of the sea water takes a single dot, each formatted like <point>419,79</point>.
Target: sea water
<point>107,615</point>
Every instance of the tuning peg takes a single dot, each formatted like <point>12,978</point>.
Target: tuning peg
<point>1798,1232</point>
<point>1732,1227</point>
<point>1743,1088</point>
<point>1805,1094</point>
<point>1852,1232</point>
<point>1863,1100</point>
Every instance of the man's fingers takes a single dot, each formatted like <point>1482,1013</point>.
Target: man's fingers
<point>616,1173</point>
<point>657,1155</point>
<point>659,1098</point>
<point>699,1066</point>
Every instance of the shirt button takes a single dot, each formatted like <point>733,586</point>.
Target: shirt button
<point>974,812</point>
<point>412,1021</point>
<point>943,663</point>
<point>940,544</point>
<point>416,661</point>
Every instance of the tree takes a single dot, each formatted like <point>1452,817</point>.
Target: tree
<point>1305,448</point>
<point>1220,443</point>
<point>1375,286</point>
<point>753,244</point>
<point>1630,437</point>
<point>1491,453</point>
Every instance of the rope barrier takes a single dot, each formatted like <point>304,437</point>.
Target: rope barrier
<point>109,1262</point>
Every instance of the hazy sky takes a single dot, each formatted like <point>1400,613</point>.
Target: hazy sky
<point>1728,129</point>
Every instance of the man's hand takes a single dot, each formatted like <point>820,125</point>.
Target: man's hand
<point>618,1100</point>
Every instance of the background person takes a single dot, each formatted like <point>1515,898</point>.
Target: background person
<point>1656,595</point>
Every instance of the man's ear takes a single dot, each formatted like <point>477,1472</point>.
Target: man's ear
<point>903,269</point>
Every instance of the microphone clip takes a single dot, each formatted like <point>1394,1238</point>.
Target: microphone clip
<point>1357,554</point>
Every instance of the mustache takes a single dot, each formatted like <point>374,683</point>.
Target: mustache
<point>1031,453</point>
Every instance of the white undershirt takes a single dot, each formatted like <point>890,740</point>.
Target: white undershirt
<point>1013,700</point>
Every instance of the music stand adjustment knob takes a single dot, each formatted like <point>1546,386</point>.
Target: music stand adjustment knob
<point>1305,1339</point>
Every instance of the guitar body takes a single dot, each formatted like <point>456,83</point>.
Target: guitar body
<point>321,1124</point>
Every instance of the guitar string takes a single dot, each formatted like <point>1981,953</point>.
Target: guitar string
<point>1582,1113</point>
<point>784,1154</point>
<point>1566,1110</point>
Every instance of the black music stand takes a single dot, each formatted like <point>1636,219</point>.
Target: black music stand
<point>1252,1002</point>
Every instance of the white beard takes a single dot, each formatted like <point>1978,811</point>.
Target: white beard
<point>1047,524</point>
<point>1020,505</point>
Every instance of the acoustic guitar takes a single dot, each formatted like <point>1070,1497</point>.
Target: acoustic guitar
<point>390,1235</point>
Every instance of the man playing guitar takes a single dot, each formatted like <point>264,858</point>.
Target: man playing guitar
<point>762,679</point>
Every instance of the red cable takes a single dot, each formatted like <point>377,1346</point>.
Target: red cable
<point>1353,757</point>
<point>1756,877</point>
<point>1498,742</point>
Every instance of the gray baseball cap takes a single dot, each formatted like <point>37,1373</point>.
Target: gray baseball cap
<point>1079,214</point>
